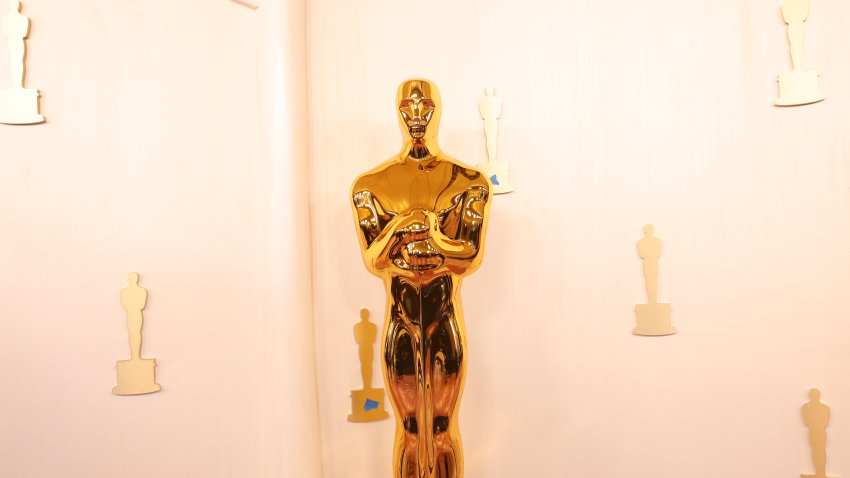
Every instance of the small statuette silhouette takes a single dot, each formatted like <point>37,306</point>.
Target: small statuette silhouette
<point>816,418</point>
<point>367,405</point>
<point>497,171</point>
<point>18,105</point>
<point>798,86</point>
<point>137,375</point>
<point>652,318</point>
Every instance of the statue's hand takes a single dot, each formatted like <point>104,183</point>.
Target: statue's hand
<point>412,226</point>
<point>442,242</point>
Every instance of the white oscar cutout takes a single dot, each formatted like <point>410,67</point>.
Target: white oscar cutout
<point>490,108</point>
<point>798,86</point>
<point>652,318</point>
<point>18,105</point>
<point>816,417</point>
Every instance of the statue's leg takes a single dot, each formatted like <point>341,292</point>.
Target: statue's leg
<point>17,54</point>
<point>134,326</point>
<point>400,352</point>
<point>366,366</point>
<point>818,441</point>
<point>651,274</point>
<point>490,132</point>
<point>796,35</point>
<point>445,369</point>
<point>447,375</point>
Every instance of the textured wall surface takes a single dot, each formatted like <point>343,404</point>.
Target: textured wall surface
<point>615,114</point>
<point>155,159</point>
<point>176,146</point>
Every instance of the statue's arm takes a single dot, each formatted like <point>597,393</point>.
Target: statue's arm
<point>471,220</point>
<point>377,230</point>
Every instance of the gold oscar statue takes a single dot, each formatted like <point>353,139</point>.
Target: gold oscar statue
<point>816,418</point>
<point>367,405</point>
<point>652,318</point>
<point>421,218</point>
<point>137,375</point>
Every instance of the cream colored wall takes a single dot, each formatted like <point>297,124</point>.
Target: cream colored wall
<point>615,114</point>
<point>155,159</point>
<point>158,157</point>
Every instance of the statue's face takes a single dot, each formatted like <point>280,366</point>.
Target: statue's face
<point>416,111</point>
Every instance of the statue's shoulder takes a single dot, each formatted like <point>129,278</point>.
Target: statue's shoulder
<point>472,176</point>
<point>15,21</point>
<point>374,180</point>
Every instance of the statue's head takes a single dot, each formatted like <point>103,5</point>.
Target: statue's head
<point>133,278</point>
<point>364,315</point>
<point>419,105</point>
<point>15,5</point>
<point>648,229</point>
<point>814,394</point>
<point>488,91</point>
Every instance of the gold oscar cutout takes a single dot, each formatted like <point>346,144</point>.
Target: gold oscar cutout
<point>816,417</point>
<point>652,318</point>
<point>798,86</point>
<point>367,405</point>
<point>421,218</point>
<point>18,105</point>
<point>490,108</point>
<point>137,375</point>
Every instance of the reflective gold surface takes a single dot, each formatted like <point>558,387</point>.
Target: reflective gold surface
<point>421,218</point>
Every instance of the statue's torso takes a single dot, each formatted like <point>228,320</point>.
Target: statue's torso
<point>431,186</point>
<point>134,298</point>
<point>15,26</point>
<point>443,187</point>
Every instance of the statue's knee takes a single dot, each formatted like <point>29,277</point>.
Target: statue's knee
<point>441,424</point>
<point>410,425</point>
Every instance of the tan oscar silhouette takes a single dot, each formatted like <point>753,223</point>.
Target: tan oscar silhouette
<point>798,86</point>
<point>137,375</point>
<point>18,105</point>
<point>652,318</point>
<point>490,108</point>
<point>367,405</point>
<point>816,418</point>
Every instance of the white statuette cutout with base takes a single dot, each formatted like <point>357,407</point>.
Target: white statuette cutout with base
<point>798,86</point>
<point>18,105</point>
<point>497,172</point>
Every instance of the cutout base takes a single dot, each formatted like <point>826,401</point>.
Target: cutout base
<point>653,319</point>
<point>136,377</point>
<point>367,405</point>
<point>798,88</point>
<point>19,106</point>
<point>499,176</point>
